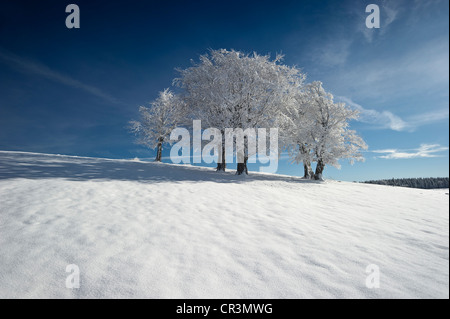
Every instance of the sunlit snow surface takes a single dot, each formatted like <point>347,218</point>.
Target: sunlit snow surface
<point>139,229</point>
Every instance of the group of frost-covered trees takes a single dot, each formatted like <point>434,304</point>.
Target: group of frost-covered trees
<point>230,89</point>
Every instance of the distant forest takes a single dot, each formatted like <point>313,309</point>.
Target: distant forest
<point>424,183</point>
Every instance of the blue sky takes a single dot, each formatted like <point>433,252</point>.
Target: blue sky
<point>72,91</point>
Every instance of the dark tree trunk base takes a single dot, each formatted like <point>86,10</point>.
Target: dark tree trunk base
<point>159,153</point>
<point>308,172</point>
<point>319,170</point>
<point>220,167</point>
<point>242,168</point>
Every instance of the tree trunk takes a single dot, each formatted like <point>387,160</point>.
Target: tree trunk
<point>242,167</point>
<point>319,170</point>
<point>308,172</point>
<point>242,158</point>
<point>221,164</point>
<point>159,152</point>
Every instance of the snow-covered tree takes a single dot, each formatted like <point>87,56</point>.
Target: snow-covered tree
<point>317,129</point>
<point>157,121</point>
<point>331,136</point>
<point>295,124</point>
<point>230,89</point>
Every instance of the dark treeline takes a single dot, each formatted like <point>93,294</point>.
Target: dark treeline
<point>424,183</point>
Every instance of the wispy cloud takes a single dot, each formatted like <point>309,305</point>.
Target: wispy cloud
<point>424,151</point>
<point>428,118</point>
<point>424,69</point>
<point>391,13</point>
<point>40,69</point>
<point>388,120</point>
<point>332,53</point>
<point>379,119</point>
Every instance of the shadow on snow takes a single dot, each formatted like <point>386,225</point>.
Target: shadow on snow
<point>42,166</point>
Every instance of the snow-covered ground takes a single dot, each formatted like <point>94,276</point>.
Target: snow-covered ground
<point>138,229</point>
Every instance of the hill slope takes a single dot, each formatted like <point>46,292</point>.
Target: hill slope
<point>151,230</point>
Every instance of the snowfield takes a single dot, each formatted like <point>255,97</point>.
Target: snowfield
<point>149,230</point>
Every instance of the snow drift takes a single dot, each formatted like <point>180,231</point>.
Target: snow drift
<point>151,230</point>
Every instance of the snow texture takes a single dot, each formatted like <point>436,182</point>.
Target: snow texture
<point>152,230</point>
